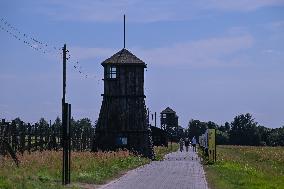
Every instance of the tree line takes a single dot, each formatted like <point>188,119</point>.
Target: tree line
<point>243,130</point>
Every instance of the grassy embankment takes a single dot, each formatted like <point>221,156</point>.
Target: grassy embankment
<point>246,167</point>
<point>43,169</point>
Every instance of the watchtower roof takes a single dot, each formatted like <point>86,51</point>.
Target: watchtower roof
<point>124,56</point>
<point>168,110</point>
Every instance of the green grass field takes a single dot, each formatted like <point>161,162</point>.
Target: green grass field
<point>43,169</point>
<point>246,167</point>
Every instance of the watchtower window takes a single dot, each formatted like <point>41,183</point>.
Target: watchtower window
<point>164,115</point>
<point>111,72</point>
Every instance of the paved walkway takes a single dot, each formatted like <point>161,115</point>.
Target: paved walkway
<point>179,170</point>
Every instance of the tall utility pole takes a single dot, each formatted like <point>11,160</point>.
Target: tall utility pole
<point>66,115</point>
<point>64,74</point>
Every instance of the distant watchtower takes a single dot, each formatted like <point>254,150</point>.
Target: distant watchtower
<point>122,121</point>
<point>169,121</point>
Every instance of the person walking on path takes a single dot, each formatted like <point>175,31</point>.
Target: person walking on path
<point>186,143</point>
<point>193,142</point>
<point>181,144</point>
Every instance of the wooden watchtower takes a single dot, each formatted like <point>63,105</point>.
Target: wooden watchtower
<point>122,120</point>
<point>169,121</point>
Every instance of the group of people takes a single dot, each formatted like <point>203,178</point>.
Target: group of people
<point>186,142</point>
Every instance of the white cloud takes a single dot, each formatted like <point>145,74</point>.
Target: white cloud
<point>4,76</point>
<point>272,52</point>
<point>113,10</point>
<point>82,53</point>
<point>207,52</point>
<point>240,5</point>
<point>268,51</point>
<point>4,106</point>
<point>276,26</point>
<point>144,11</point>
<point>238,30</point>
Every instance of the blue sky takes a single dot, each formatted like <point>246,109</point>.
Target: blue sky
<point>208,60</point>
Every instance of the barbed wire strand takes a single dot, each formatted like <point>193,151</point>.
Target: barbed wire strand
<point>41,46</point>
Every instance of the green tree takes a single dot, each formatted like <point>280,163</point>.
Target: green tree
<point>43,123</point>
<point>276,137</point>
<point>56,132</point>
<point>196,128</point>
<point>244,130</point>
<point>226,128</point>
<point>43,131</point>
<point>57,125</point>
<point>222,137</point>
<point>264,133</point>
<point>17,121</point>
<point>211,125</point>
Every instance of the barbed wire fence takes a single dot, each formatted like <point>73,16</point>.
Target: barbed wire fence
<point>42,136</point>
<point>44,48</point>
<point>26,137</point>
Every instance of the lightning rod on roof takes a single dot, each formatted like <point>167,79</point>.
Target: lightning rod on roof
<point>124,32</point>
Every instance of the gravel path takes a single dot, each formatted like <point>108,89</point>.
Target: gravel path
<point>179,170</point>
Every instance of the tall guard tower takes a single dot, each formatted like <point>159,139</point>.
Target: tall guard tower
<point>122,120</point>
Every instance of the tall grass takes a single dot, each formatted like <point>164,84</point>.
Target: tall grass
<point>43,169</point>
<point>247,167</point>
